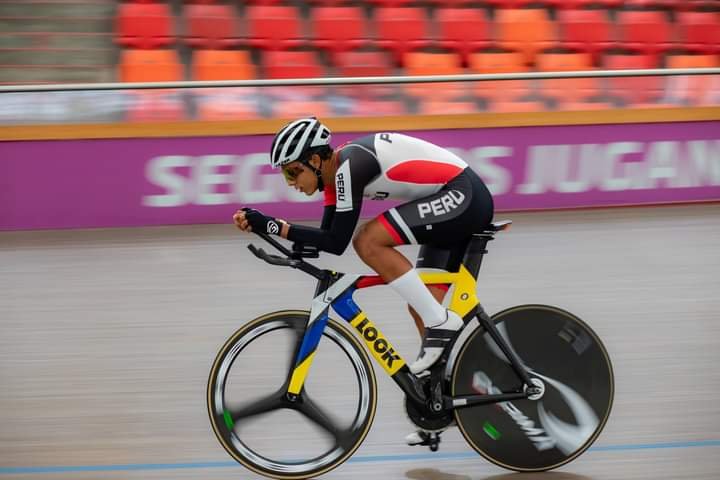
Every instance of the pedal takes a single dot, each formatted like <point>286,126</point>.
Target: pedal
<point>430,440</point>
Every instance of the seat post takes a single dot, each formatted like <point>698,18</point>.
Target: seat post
<point>475,251</point>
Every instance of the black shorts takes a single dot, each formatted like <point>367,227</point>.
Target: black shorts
<point>443,222</point>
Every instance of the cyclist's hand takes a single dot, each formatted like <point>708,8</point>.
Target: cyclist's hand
<point>240,221</point>
<point>251,220</point>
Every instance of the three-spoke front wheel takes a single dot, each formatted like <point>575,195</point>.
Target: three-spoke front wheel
<point>269,433</point>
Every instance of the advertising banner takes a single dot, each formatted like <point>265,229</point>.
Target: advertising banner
<point>161,181</point>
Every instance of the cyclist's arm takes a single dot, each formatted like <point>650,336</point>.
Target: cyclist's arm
<point>339,221</point>
<point>333,240</point>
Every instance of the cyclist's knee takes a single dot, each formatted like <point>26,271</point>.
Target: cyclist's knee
<point>363,243</point>
<point>367,241</point>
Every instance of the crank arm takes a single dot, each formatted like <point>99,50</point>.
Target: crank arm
<point>463,401</point>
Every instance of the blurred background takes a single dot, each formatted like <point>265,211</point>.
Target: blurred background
<point>121,275</point>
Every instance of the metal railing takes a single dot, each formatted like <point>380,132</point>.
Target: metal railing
<point>359,80</point>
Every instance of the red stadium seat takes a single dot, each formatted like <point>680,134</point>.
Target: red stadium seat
<point>211,26</point>
<point>338,28</point>
<point>699,31</point>
<point>274,27</point>
<point>564,90</point>
<point>363,63</point>
<point>551,3</point>
<point>463,29</point>
<point>525,30</point>
<point>144,25</point>
<point>263,2</point>
<point>633,90</point>
<point>422,63</point>
<point>646,31</point>
<point>585,30</point>
<point>574,4</point>
<point>150,66</point>
<point>222,65</point>
<point>388,3</point>
<point>453,3</point>
<point>689,5</point>
<point>401,29</point>
<point>372,63</point>
<point>292,64</point>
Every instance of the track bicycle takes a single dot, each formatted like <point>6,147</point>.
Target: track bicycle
<point>530,388</point>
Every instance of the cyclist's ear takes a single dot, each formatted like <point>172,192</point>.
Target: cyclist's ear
<point>315,160</point>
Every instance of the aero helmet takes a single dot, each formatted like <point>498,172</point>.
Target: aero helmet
<point>295,138</point>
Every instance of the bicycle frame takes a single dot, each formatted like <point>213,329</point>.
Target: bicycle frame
<point>336,290</point>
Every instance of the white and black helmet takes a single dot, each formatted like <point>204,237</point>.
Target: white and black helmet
<point>295,138</point>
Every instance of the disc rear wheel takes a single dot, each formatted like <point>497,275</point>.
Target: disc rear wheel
<point>562,355</point>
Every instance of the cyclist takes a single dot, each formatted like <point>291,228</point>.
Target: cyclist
<point>446,203</point>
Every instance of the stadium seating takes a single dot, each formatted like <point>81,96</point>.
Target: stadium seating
<point>693,90</point>
<point>422,63</point>
<point>150,66</point>
<point>401,29</point>
<point>369,63</point>
<point>338,28</point>
<point>565,90</point>
<point>464,30</point>
<point>422,37</point>
<point>699,31</point>
<point>292,64</point>
<point>210,26</point>
<point>525,30</point>
<point>635,91</point>
<point>222,65</point>
<point>500,92</point>
<point>274,27</point>
<point>646,31</point>
<point>585,30</point>
<point>144,25</point>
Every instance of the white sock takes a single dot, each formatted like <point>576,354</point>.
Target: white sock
<point>416,293</point>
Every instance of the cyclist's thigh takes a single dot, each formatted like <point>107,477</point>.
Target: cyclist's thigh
<point>444,258</point>
<point>444,219</point>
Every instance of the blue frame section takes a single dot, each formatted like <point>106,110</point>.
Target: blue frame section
<point>345,306</point>
<point>312,337</point>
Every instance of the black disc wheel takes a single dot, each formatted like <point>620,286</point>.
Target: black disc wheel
<point>280,436</point>
<point>565,358</point>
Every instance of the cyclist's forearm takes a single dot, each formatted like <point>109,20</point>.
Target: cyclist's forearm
<point>325,240</point>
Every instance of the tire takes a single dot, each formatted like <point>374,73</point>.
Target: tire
<point>228,389</point>
<point>535,435</point>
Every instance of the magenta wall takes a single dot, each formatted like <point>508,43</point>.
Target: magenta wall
<point>129,182</point>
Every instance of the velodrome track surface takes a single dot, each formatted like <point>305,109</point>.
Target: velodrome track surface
<point>107,337</point>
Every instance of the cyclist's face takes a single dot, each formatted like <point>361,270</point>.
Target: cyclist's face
<point>299,176</point>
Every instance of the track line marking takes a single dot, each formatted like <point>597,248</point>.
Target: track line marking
<point>356,459</point>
